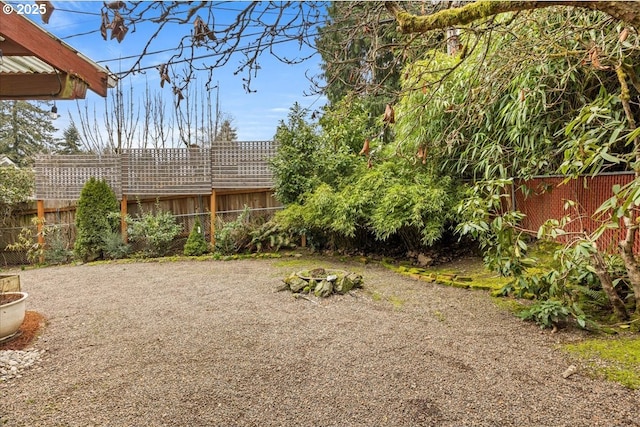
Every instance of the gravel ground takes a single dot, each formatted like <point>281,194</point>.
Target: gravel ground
<point>211,344</point>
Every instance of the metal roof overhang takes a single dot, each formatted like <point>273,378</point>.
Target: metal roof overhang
<point>34,64</point>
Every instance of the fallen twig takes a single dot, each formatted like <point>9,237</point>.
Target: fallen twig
<point>304,297</point>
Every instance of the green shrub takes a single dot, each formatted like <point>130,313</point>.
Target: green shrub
<point>114,246</point>
<point>16,186</point>
<point>196,244</point>
<point>546,313</point>
<point>154,231</point>
<point>57,248</point>
<point>233,236</point>
<point>270,236</point>
<point>294,165</point>
<point>54,251</point>
<point>27,242</point>
<point>93,218</point>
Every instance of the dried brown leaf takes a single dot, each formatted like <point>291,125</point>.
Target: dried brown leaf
<point>624,34</point>
<point>594,57</point>
<point>48,10</point>
<point>164,76</point>
<point>179,96</point>
<point>105,24</point>
<point>365,148</point>
<point>115,5</point>
<point>118,28</point>
<point>389,114</point>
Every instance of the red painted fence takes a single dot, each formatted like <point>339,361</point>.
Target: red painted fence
<point>547,196</point>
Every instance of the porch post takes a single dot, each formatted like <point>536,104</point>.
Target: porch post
<point>213,216</point>
<point>40,226</point>
<point>123,222</point>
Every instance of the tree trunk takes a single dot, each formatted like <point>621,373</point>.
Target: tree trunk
<point>626,245</point>
<point>607,286</point>
<point>627,11</point>
<point>630,262</point>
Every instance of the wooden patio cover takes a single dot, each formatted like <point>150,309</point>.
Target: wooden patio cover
<point>35,64</point>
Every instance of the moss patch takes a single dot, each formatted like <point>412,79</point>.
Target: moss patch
<point>397,302</point>
<point>615,359</point>
<point>293,262</point>
<point>439,316</point>
<point>376,296</point>
<point>509,304</point>
<point>467,274</point>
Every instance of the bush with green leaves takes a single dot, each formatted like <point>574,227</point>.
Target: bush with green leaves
<point>57,249</point>
<point>248,234</point>
<point>27,242</point>
<point>233,236</point>
<point>16,187</point>
<point>114,245</point>
<point>270,236</point>
<point>154,231</point>
<point>392,198</point>
<point>196,244</point>
<point>294,167</point>
<point>94,218</point>
<point>546,313</point>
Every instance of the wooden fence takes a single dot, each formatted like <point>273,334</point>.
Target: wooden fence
<point>185,209</point>
<point>542,198</point>
<point>207,182</point>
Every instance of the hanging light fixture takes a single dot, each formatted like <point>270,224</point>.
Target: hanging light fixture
<point>54,111</point>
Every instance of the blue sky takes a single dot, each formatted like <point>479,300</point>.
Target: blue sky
<point>255,115</point>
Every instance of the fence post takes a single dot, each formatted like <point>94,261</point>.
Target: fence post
<point>213,217</point>
<point>123,221</point>
<point>40,226</point>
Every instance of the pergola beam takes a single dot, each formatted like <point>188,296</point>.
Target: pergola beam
<point>19,31</point>
<point>41,86</point>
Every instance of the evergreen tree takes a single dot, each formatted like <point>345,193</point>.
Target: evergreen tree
<point>196,244</point>
<point>294,166</point>
<point>351,44</point>
<point>227,132</point>
<point>25,130</point>
<point>70,142</point>
<point>93,220</point>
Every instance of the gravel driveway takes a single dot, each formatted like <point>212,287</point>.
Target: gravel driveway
<point>211,344</point>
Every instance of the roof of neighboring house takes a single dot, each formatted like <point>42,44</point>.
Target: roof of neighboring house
<point>7,162</point>
<point>35,64</point>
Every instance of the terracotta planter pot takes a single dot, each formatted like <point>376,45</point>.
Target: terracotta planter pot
<point>11,313</point>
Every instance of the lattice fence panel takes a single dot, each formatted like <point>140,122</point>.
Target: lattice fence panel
<point>166,171</point>
<point>61,177</point>
<point>242,164</point>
